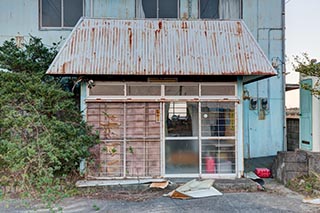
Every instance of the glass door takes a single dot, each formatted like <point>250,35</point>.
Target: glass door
<point>217,138</point>
<point>181,138</point>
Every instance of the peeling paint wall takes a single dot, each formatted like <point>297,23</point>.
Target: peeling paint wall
<point>264,137</point>
<point>124,9</point>
<point>21,17</point>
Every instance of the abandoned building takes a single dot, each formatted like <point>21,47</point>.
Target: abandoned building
<point>176,88</point>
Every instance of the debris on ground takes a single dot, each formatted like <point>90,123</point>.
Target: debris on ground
<point>195,189</point>
<point>88,183</point>
<point>263,172</point>
<point>312,200</point>
<point>259,181</point>
<point>137,195</point>
<point>159,185</point>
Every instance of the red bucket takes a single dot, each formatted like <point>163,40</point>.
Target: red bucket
<point>210,165</point>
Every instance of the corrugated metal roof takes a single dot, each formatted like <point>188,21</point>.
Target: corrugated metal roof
<point>160,47</point>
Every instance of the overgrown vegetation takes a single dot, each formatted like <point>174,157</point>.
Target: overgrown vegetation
<point>309,67</point>
<point>308,185</point>
<point>42,135</point>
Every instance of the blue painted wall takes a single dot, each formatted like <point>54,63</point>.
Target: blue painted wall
<point>263,18</point>
<point>265,137</point>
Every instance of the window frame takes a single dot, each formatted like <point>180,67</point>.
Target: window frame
<point>61,27</point>
<point>158,9</point>
<point>163,96</point>
<point>199,11</point>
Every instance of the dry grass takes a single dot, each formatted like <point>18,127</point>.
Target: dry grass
<point>308,185</point>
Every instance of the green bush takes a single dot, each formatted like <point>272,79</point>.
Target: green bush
<point>42,135</point>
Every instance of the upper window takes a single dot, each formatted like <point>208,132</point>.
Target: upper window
<point>60,13</point>
<point>157,8</point>
<point>220,9</point>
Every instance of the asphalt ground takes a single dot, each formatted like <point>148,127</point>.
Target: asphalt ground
<point>276,198</point>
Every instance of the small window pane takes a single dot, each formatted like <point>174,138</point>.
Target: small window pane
<point>217,119</point>
<point>182,156</point>
<point>107,90</point>
<point>181,119</point>
<point>144,90</point>
<point>182,90</point>
<point>150,8</point>
<point>51,13</point>
<point>218,156</point>
<point>73,10</point>
<point>168,9</point>
<point>209,9</point>
<point>218,90</point>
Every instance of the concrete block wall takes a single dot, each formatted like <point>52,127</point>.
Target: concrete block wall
<point>292,134</point>
<point>292,164</point>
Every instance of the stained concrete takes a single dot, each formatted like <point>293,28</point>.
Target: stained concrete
<point>276,198</point>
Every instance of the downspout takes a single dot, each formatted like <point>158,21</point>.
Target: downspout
<point>283,23</point>
<point>189,9</point>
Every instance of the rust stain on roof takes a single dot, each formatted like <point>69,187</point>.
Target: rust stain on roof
<point>160,47</point>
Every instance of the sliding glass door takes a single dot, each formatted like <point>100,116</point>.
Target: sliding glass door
<point>181,138</point>
<point>200,138</point>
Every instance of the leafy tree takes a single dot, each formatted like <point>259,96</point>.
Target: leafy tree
<point>42,135</point>
<point>33,57</point>
<point>309,67</point>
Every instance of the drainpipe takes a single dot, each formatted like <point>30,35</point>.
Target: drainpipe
<point>189,9</point>
<point>283,23</point>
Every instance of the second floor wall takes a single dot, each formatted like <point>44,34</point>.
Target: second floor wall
<point>51,19</point>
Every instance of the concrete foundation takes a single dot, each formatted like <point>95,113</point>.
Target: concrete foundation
<point>289,165</point>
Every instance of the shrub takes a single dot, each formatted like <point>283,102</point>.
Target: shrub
<point>42,135</point>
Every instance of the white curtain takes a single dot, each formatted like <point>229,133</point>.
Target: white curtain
<point>229,9</point>
<point>139,9</point>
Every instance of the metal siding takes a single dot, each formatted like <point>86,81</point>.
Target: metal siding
<point>160,47</point>
<point>265,137</point>
<point>114,9</point>
<point>22,18</point>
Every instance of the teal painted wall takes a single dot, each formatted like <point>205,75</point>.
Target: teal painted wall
<point>265,137</point>
<point>263,18</point>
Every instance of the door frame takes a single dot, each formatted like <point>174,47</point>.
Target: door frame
<point>305,100</point>
<point>200,174</point>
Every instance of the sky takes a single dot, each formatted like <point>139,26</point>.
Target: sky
<point>302,36</point>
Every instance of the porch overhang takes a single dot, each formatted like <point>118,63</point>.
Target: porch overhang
<point>161,48</point>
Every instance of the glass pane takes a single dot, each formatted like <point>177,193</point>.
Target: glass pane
<point>51,13</point>
<point>218,156</point>
<point>182,156</point>
<point>72,11</point>
<point>209,9</point>
<point>107,90</point>
<point>217,119</point>
<point>218,90</point>
<point>181,119</point>
<point>182,90</point>
<point>150,8</point>
<point>168,9</point>
<point>144,90</point>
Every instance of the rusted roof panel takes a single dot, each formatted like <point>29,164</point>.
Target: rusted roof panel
<point>160,47</point>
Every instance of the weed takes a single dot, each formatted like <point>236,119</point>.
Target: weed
<point>95,207</point>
